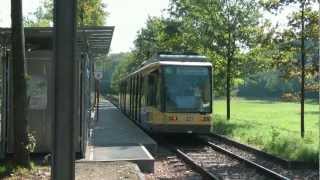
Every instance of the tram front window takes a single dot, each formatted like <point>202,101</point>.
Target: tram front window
<point>187,89</point>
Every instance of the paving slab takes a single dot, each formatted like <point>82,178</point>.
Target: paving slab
<point>136,154</point>
<point>109,171</point>
<point>114,129</point>
<point>114,137</point>
<point>120,152</point>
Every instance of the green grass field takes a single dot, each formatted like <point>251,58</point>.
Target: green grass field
<point>273,126</point>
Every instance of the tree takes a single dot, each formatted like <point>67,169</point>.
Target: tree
<point>42,17</point>
<point>19,86</point>
<point>224,28</point>
<point>160,35</point>
<point>108,65</point>
<point>121,70</point>
<point>304,26</point>
<point>90,13</point>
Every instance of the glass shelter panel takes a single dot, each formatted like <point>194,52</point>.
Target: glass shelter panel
<point>39,91</point>
<point>2,117</point>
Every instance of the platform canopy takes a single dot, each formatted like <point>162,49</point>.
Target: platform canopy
<point>95,40</point>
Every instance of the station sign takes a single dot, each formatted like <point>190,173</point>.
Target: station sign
<point>98,75</point>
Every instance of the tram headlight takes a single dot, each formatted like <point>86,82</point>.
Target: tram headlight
<point>173,118</point>
<point>206,118</point>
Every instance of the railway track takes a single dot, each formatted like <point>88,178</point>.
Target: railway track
<point>261,155</point>
<point>226,159</point>
<point>182,170</point>
<point>213,162</point>
<point>206,174</point>
<point>275,166</point>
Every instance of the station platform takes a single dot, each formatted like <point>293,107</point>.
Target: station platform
<point>114,137</point>
<point>111,170</point>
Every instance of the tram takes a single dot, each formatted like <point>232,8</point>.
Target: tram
<point>170,93</point>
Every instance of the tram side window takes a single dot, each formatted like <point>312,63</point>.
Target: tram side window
<point>127,94</point>
<point>144,94</point>
<point>153,88</point>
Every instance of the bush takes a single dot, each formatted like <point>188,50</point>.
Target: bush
<point>289,97</point>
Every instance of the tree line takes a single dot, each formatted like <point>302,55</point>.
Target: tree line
<point>243,45</point>
<point>89,13</point>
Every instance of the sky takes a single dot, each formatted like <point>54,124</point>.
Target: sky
<point>127,16</point>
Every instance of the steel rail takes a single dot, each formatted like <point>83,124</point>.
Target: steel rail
<point>196,167</point>
<point>283,162</point>
<point>251,149</point>
<point>258,167</point>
